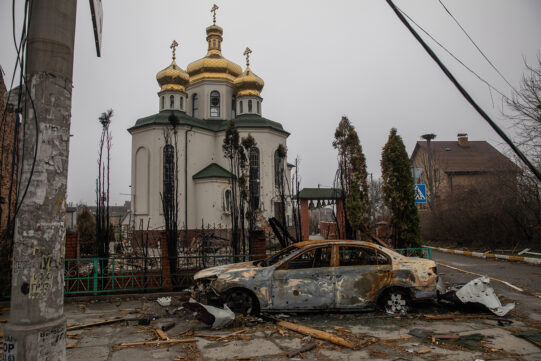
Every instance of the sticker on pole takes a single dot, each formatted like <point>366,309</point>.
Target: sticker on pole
<point>420,193</point>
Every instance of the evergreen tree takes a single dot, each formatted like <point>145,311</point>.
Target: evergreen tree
<point>398,193</point>
<point>351,177</point>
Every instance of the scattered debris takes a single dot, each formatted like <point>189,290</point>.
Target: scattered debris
<point>164,301</point>
<point>151,343</point>
<point>93,324</point>
<point>534,336</point>
<point>342,329</point>
<point>301,350</point>
<point>471,342</point>
<point>501,321</point>
<point>420,352</point>
<point>71,345</point>
<point>212,316</point>
<point>167,326</point>
<point>174,310</point>
<point>456,316</point>
<point>420,333</point>
<point>283,315</point>
<point>73,335</point>
<point>478,291</point>
<point>315,333</point>
<point>161,334</point>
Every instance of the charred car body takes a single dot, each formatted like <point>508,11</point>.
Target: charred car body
<point>321,275</point>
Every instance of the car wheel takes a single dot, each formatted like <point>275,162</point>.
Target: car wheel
<point>240,301</point>
<point>396,301</point>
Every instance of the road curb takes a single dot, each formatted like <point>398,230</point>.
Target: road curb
<point>530,260</point>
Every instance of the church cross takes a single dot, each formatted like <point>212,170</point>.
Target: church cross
<point>173,46</point>
<point>213,11</point>
<point>247,53</point>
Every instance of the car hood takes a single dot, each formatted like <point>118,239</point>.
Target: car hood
<point>215,271</point>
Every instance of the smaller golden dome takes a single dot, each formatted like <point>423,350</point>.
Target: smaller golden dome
<point>173,78</point>
<point>248,83</point>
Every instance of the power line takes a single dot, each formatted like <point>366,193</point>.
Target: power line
<point>464,93</point>
<point>453,55</point>
<point>477,47</point>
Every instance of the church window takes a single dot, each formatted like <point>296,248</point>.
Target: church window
<point>163,101</point>
<point>227,201</point>
<point>241,107</point>
<point>254,178</point>
<point>278,168</point>
<point>233,107</point>
<point>181,102</point>
<point>214,104</point>
<point>172,101</point>
<point>195,106</point>
<point>250,106</point>
<point>168,174</point>
<point>258,108</point>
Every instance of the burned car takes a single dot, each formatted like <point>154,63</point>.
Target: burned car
<point>321,275</point>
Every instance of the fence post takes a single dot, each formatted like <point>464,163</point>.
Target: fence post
<point>95,276</point>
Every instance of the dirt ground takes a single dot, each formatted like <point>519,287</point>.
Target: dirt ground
<point>374,335</point>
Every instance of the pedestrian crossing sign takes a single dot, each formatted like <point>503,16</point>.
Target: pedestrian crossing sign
<point>420,193</point>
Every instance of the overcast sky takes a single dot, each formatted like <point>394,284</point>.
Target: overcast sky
<point>320,60</point>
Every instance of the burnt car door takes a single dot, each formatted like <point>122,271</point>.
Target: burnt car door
<point>361,272</point>
<point>306,282</point>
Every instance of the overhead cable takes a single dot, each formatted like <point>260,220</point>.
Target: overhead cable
<point>464,93</point>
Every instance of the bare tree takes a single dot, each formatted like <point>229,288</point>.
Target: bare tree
<point>525,108</point>
<point>103,232</point>
<point>169,196</point>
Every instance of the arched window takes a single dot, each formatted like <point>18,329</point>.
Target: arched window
<point>168,175</point>
<point>181,102</point>
<point>233,107</point>
<point>171,101</point>
<point>241,107</point>
<point>254,178</point>
<point>250,106</point>
<point>227,201</point>
<point>163,101</point>
<point>214,104</point>
<point>258,108</point>
<point>278,169</point>
<point>195,106</point>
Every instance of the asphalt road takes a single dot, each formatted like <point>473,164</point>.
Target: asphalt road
<point>524,276</point>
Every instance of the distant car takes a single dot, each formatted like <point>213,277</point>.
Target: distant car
<point>321,276</point>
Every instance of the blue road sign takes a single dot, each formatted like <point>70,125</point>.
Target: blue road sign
<point>420,193</point>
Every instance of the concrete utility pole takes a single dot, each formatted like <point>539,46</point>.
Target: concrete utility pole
<point>37,327</point>
<point>428,138</point>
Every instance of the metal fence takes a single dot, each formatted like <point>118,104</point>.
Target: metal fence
<point>84,276</point>
<point>423,252</point>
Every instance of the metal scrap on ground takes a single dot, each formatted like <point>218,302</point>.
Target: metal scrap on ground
<point>478,291</point>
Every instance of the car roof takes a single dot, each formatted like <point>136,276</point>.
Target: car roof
<point>326,241</point>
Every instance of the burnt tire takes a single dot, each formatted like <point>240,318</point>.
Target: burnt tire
<point>242,301</point>
<point>395,301</point>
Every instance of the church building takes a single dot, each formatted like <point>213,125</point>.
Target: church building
<point>202,100</point>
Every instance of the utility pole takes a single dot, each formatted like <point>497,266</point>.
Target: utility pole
<point>428,138</point>
<point>37,327</point>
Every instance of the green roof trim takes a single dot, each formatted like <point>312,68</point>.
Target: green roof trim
<point>215,125</point>
<point>320,193</point>
<point>213,170</point>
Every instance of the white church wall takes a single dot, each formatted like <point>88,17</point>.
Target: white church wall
<point>210,197</point>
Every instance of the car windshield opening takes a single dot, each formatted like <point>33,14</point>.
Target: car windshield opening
<point>278,256</point>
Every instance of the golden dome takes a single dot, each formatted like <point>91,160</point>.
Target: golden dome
<point>173,78</point>
<point>213,66</point>
<point>248,83</point>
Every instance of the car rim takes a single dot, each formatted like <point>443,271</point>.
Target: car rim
<point>240,302</point>
<point>396,303</point>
